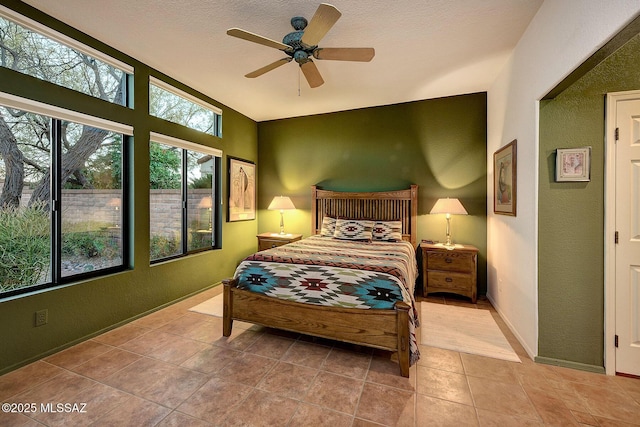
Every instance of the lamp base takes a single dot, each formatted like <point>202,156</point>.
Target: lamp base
<point>449,246</point>
<point>282,233</point>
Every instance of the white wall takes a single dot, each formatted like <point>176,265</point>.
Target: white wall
<point>560,37</point>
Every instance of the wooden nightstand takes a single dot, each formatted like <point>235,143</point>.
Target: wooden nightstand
<point>273,240</point>
<point>453,271</point>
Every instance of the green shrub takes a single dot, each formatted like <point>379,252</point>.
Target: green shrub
<point>163,246</point>
<point>88,244</point>
<point>88,239</point>
<point>24,247</point>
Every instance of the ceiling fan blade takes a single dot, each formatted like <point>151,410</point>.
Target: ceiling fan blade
<point>325,17</point>
<point>267,68</point>
<point>246,35</point>
<point>361,54</point>
<point>312,74</point>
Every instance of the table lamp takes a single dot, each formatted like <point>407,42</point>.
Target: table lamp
<point>205,203</point>
<point>448,207</point>
<point>281,203</point>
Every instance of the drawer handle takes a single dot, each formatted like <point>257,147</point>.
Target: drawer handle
<point>274,246</point>
<point>448,279</point>
<point>448,260</point>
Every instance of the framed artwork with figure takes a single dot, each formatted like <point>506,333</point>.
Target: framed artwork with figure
<point>242,190</point>
<point>504,180</point>
<point>573,164</point>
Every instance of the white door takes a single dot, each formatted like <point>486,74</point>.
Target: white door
<point>627,225</point>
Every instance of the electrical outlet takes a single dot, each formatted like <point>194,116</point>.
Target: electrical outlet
<point>42,317</point>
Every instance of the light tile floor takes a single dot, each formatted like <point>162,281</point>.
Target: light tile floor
<point>174,368</point>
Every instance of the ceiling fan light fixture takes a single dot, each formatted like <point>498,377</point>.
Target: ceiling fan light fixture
<point>301,56</point>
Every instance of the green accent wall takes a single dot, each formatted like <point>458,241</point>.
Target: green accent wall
<point>571,216</point>
<point>439,144</point>
<point>82,310</point>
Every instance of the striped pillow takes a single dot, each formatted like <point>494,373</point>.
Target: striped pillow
<point>388,231</point>
<point>354,229</point>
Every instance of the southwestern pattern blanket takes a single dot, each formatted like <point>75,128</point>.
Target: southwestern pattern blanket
<point>339,273</point>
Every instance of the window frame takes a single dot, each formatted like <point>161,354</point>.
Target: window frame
<point>70,42</point>
<point>58,115</point>
<point>216,196</point>
<point>126,99</point>
<point>161,84</point>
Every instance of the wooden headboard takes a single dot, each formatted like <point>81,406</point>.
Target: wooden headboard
<point>379,205</point>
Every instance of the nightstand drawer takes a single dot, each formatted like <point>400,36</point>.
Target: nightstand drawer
<point>444,281</point>
<point>268,243</point>
<point>451,261</point>
<point>273,240</point>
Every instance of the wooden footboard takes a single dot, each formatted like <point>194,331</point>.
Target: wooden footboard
<point>382,329</point>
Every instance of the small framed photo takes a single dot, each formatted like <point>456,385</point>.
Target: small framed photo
<point>504,180</point>
<point>242,190</point>
<point>573,164</point>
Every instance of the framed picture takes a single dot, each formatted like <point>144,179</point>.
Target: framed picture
<point>573,164</point>
<point>242,190</point>
<point>504,180</point>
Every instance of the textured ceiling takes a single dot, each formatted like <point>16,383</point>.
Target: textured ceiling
<point>424,49</point>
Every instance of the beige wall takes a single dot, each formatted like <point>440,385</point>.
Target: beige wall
<point>560,37</point>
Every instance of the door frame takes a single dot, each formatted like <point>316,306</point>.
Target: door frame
<point>610,226</point>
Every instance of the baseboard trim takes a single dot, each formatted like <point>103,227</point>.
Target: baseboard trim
<point>506,320</point>
<point>570,364</point>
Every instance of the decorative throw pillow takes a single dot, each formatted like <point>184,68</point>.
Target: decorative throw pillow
<point>389,231</point>
<point>353,229</point>
<point>328,226</point>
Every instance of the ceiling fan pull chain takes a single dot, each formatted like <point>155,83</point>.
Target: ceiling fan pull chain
<point>299,72</point>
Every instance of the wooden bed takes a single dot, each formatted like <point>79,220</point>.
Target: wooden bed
<point>381,329</point>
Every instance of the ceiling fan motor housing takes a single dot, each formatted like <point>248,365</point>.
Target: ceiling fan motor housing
<point>299,51</point>
<point>299,23</point>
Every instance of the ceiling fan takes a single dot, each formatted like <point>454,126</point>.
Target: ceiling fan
<point>302,45</point>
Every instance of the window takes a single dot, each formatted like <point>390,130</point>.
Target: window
<point>184,197</point>
<point>91,198</point>
<point>165,200</point>
<point>33,49</point>
<point>167,102</point>
<point>65,175</point>
<point>62,197</point>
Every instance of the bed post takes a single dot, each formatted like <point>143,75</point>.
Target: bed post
<point>227,304</point>
<point>402,316</point>
<point>414,215</point>
<point>314,210</point>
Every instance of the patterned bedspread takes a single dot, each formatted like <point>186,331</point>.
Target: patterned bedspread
<point>339,273</point>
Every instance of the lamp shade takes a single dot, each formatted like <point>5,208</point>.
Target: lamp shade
<point>205,202</point>
<point>281,203</point>
<point>448,206</point>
